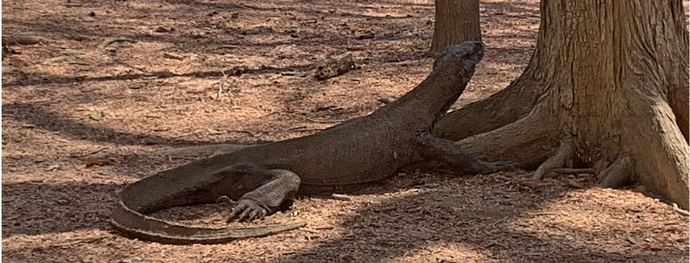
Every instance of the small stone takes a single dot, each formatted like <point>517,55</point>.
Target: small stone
<point>386,100</point>
<point>162,29</point>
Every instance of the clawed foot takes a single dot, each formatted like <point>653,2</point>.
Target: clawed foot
<point>247,210</point>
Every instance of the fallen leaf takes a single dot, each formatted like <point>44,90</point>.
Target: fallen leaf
<point>386,100</point>
<point>574,184</point>
<point>96,116</point>
<point>98,161</point>
<point>634,240</point>
<point>294,213</point>
<point>53,167</point>
<point>162,29</point>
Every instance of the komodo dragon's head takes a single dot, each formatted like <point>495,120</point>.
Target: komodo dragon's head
<point>456,66</point>
<point>469,53</point>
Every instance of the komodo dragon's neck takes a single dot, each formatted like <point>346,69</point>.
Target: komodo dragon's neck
<point>436,94</point>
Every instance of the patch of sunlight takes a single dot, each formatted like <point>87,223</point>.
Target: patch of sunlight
<point>441,251</point>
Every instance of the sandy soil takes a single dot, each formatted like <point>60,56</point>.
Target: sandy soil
<point>173,88</point>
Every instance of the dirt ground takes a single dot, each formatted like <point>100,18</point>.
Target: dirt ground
<point>68,103</point>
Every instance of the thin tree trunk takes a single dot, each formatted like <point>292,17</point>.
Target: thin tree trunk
<point>457,21</point>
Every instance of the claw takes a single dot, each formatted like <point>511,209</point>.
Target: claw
<point>247,210</point>
<point>226,200</point>
<point>245,214</point>
<point>237,211</point>
<point>253,215</point>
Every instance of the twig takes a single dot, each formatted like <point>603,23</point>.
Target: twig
<point>304,130</point>
<point>111,40</point>
<point>251,133</point>
<point>679,210</point>
<point>240,5</point>
<point>322,121</point>
<point>23,40</point>
<point>341,197</point>
<point>573,170</point>
<point>173,56</point>
<point>186,134</point>
<point>78,63</point>
<point>220,85</point>
<point>57,59</point>
<point>311,230</point>
<point>85,240</point>
<point>90,153</point>
<point>228,46</point>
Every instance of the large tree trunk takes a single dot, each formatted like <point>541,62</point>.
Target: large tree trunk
<point>608,82</point>
<point>457,21</point>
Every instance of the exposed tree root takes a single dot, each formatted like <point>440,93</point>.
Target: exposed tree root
<point>528,141</point>
<point>620,173</point>
<point>562,158</point>
<point>506,106</point>
<point>660,151</point>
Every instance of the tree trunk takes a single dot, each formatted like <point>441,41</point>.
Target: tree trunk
<point>608,83</point>
<point>457,21</point>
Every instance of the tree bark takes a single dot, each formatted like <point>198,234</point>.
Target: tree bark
<point>457,21</point>
<point>608,81</point>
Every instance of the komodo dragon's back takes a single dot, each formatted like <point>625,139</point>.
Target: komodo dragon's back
<point>263,177</point>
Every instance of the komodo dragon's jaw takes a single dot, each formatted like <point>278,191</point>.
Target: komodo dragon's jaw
<point>471,53</point>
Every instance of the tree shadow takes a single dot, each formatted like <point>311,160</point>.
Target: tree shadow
<point>486,217</point>
<point>467,218</point>
<point>46,120</point>
<point>71,207</point>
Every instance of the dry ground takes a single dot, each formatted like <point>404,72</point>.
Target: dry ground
<point>168,90</point>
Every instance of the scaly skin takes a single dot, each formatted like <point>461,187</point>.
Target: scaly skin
<point>341,158</point>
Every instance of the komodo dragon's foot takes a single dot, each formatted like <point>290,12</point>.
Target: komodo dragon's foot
<point>247,209</point>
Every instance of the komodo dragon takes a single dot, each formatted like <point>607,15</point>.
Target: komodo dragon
<point>337,159</point>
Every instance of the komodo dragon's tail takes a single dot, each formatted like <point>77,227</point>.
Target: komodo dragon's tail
<point>145,227</point>
<point>185,185</point>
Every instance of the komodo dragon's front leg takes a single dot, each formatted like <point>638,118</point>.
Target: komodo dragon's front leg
<point>450,154</point>
<point>263,191</point>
